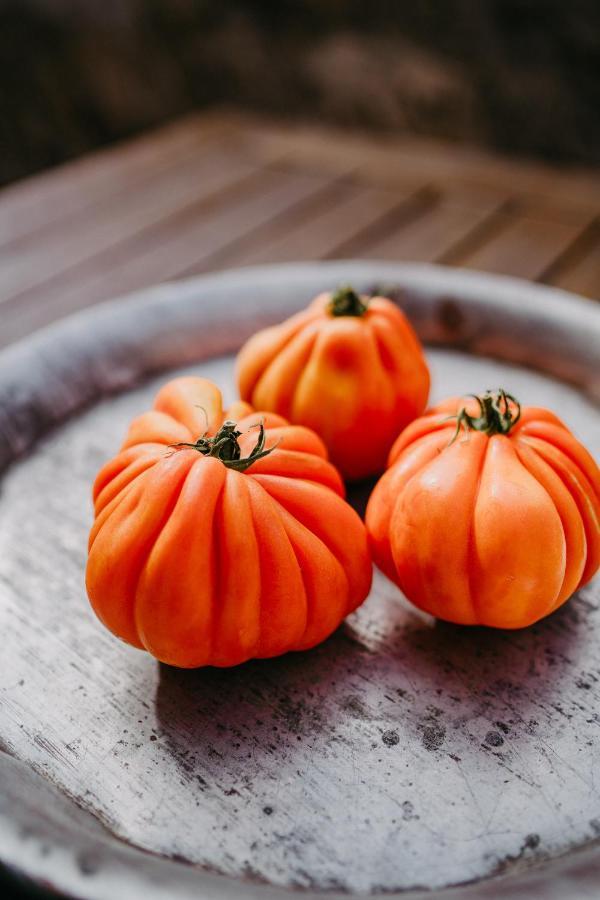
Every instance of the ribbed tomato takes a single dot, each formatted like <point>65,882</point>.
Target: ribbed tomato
<point>215,542</point>
<point>349,367</point>
<point>489,513</point>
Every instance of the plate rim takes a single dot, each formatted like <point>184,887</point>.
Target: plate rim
<point>117,344</point>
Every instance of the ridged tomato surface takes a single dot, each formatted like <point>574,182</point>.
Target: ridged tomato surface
<point>356,378</point>
<point>203,564</point>
<point>487,528</point>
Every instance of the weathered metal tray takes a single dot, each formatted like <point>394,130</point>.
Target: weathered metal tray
<point>403,755</point>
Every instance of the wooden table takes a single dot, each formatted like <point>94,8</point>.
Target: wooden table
<point>221,189</point>
<point>475,753</point>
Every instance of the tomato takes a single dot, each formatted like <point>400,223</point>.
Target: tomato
<point>349,367</point>
<point>216,540</point>
<point>488,514</point>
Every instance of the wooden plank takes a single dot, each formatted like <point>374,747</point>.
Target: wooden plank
<point>173,248</point>
<point>523,246</point>
<point>386,159</point>
<point>33,264</point>
<point>579,269</point>
<point>455,218</point>
<point>583,277</point>
<point>51,196</point>
<point>355,212</point>
<point>143,212</point>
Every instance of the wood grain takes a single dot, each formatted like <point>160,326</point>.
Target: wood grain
<point>524,246</point>
<point>176,245</point>
<point>578,269</point>
<point>454,219</point>
<point>33,265</point>
<point>355,213</point>
<point>223,189</point>
<point>42,200</point>
<point>426,160</point>
<point>583,277</point>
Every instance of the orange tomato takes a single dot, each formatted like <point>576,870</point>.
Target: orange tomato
<point>349,367</point>
<point>489,513</point>
<point>214,542</point>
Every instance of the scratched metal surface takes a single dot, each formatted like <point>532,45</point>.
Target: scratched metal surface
<point>402,753</point>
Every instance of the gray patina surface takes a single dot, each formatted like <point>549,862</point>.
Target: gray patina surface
<point>402,753</point>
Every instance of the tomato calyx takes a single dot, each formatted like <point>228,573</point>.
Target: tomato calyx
<point>346,302</point>
<point>496,414</point>
<point>224,446</point>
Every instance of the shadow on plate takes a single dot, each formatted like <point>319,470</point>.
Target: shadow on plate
<point>386,675</point>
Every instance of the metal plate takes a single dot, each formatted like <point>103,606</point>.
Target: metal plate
<point>402,754</point>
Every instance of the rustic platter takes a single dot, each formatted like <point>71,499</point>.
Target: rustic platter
<point>402,757</point>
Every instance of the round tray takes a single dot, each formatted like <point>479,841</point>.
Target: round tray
<point>403,755</point>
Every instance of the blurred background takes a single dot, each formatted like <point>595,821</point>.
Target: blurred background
<point>145,141</point>
<point>519,76</point>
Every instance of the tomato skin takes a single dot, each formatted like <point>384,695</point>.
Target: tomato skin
<point>497,530</point>
<point>201,564</point>
<point>355,380</point>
